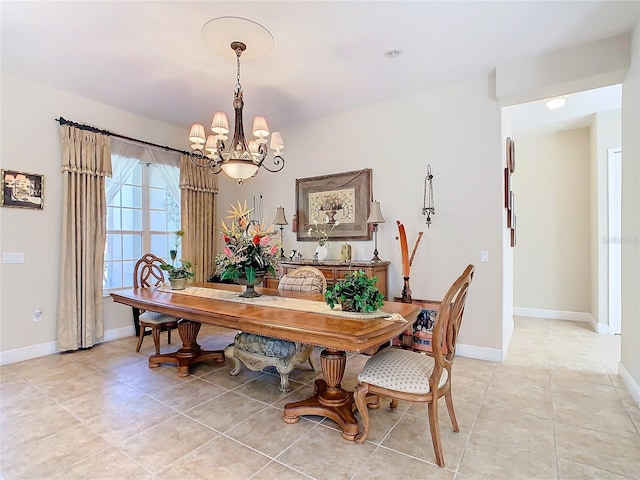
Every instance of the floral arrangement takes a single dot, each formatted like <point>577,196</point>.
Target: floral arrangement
<point>247,250</point>
<point>332,202</point>
<point>182,271</point>
<point>321,231</point>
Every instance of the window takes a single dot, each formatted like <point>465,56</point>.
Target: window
<point>142,216</point>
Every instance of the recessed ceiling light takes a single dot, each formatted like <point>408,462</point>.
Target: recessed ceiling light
<point>556,102</point>
<point>393,53</point>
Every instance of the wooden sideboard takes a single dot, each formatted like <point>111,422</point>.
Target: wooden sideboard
<point>334,270</point>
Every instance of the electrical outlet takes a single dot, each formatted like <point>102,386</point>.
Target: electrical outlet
<point>13,257</point>
<point>484,256</point>
<point>37,314</point>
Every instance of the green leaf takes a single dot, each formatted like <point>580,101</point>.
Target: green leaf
<point>250,273</point>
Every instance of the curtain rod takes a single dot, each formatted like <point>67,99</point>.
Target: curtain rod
<point>64,121</point>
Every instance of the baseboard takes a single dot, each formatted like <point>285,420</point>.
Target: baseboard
<point>27,353</point>
<point>554,314</point>
<point>630,382</point>
<point>480,353</point>
<point>49,348</point>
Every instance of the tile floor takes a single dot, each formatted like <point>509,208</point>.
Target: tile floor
<point>555,409</point>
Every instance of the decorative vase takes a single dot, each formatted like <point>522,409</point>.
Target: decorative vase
<point>321,252</point>
<point>178,283</point>
<point>406,291</point>
<point>249,291</point>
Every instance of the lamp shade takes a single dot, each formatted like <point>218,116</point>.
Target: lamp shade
<point>196,135</point>
<point>239,169</point>
<point>280,218</point>
<point>376,215</point>
<point>260,127</point>
<point>219,124</point>
<point>277,143</point>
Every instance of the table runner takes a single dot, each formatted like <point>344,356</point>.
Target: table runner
<point>297,304</point>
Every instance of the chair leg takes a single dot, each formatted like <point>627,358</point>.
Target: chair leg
<point>452,414</point>
<point>140,337</point>
<point>169,328</point>
<point>435,431</point>
<point>360,397</point>
<point>155,331</point>
<point>229,354</point>
<point>393,404</point>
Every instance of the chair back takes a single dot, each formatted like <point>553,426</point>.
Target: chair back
<point>447,323</point>
<point>147,271</point>
<point>304,279</point>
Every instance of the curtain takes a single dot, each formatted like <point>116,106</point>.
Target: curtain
<point>198,210</point>
<point>86,161</point>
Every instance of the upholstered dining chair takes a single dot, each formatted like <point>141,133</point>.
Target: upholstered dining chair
<point>418,377</point>
<point>147,273</point>
<point>258,351</point>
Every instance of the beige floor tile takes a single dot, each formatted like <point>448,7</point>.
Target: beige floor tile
<point>50,455</point>
<point>268,433</point>
<point>221,377</point>
<point>266,388</point>
<point>101,400</point>
<point>617,453</point>
<point>576,471</point>
<point>412,436</point>
<point>110,464</point>
<point>317,452</point>
<point>166,442</point>
<point>515,427</point>
<point>119,423</point>
<point>225,411</point>
<point>492,457</point>
<point>275,470</point>
<point>220,459</point>
<point>34,426</point>
<point>518,397</point>
<point>189,394</point>
<point>385,464</point>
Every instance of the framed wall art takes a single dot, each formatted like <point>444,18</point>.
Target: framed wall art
<point>22,190</point>
<point>340,200</point>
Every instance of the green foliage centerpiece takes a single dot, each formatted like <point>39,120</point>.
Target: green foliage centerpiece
<point>356,293</point>
<point>248,253</point>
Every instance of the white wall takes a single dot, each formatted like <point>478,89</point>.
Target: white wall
<point>30,142</point>
<point>457,129</point>
<point>606,130</point>
<point>551,187</point>
<point>630,342</point>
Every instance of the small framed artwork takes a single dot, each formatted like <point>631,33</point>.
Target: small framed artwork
<point>511,155</point>
<point>511,214</point>
<point>507,187</point>
<point>340,201</point>
<point>22,190</point>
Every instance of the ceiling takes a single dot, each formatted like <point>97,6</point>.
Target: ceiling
<point>149,58</point>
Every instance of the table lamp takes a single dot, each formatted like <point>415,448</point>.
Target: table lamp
<point>375,218</point>
<point>281,221</point>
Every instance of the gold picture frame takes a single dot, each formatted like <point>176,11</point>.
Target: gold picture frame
<point>341,199</point>
<point>22,190</point>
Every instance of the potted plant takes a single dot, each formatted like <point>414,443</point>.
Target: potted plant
<point>178,276</point>
<point>356,293</point>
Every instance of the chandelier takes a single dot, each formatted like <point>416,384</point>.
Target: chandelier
<point>242,159</point>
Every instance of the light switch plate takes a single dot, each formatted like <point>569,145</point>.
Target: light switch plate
<point>484,256</point>
<point>13,257</point>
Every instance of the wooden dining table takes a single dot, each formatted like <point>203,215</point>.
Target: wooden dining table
<point>337,335</point>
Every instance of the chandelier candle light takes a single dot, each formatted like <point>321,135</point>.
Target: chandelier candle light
<point>242,159</point>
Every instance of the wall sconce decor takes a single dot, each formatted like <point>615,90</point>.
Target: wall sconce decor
<point>428,204</point>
